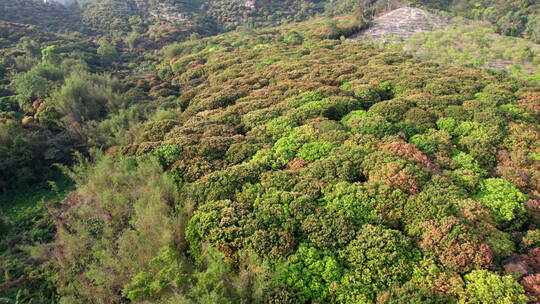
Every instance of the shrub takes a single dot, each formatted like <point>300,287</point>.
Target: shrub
<point>329,230</point>
<point>468,173</point>
<point>376,260</point>
<point>455,246</point>
<point>113,225</point>
<point>350,200</point>
<point>167,155</point>
<point>412,294</point>
<point>311,272</point>
<point>371,125</point>
<point>504,200</point>
<point>392,110</point>
<point>293,38</point>
<point>368,95</point>
<point>31,84</point>
<point>425,144</point>
<point>447,124</point>
<point>314,150</point>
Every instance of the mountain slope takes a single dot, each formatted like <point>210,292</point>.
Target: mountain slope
<point>52,16</point>
<point>264,165</point>
<point>478,44</point>
<point>308,164</point>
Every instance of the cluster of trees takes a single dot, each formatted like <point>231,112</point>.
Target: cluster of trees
<point>292,168</point>
<point>52,105</point>
<point>149,24</point>
<point>144,25</point>
<point>54,100</point>
<point>51,15</point>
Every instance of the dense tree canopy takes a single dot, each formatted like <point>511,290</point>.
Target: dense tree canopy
<point>270,165</point>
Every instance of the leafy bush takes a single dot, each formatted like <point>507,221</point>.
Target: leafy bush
<point>377,259</point>
<point>350,200</point>
<point>311,272</point>
<point>314,150</point>
<point>504,199</point>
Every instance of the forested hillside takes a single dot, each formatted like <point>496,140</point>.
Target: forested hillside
<point>511,17</point>
<point>52,15</point>
<point>144,159</point>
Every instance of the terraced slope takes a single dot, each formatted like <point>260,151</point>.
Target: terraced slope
<point>402,23</point>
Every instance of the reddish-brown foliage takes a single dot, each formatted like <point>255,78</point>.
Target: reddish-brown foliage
<point>532,286</point>
<point>407,150</point>
<point>533,207</point>
<point>297,163</point>
<point>394,176</point>
<point>455,247</point>
<point>530,102</point>
<point>532,258</point>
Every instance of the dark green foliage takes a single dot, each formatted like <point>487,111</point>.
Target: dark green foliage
<point>27,155</point>
<point>108,53</point>
<point>25,222</point>
<point>368,95</point>
<point>167,155</point>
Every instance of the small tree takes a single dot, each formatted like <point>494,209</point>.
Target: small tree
<point>107,52</point>
<point>50,55</point>
<point>31,47</point>
<point>31,85</point>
